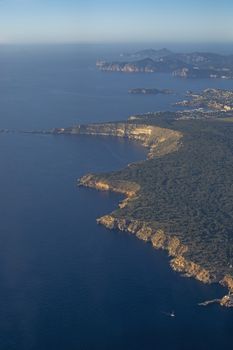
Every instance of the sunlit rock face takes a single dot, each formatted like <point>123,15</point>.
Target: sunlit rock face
<point>159,141</point>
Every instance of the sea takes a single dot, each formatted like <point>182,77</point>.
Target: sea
<point>67,283</point>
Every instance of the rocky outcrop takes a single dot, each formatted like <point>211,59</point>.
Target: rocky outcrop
<point>182,73</point>
<point>145,65</point>
<point>175,247</point>
<point>157,237</point>
<point>160,240</point>
<point>160,141</point>
<point>125,187</point>
<point>191,269</point>
<point>226,301</point>
<point>227,281</point>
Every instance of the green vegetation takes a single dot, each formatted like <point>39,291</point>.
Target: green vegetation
<point>189,193</point>
<point>184,194</point>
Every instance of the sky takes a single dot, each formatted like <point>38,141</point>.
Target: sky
<point>99,21</point>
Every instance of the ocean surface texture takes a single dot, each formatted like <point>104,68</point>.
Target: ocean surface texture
<point>65,282</point>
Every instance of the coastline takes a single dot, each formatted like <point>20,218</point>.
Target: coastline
<point>144,230</point>
<point>157,238</point>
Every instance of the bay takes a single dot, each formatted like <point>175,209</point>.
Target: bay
<point>67,283</point>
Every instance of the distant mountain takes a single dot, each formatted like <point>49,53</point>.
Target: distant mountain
<point>185,65</point>
<point>146,65</point>
<point>151,53</point>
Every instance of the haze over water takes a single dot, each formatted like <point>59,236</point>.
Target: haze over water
<point>67,283</point>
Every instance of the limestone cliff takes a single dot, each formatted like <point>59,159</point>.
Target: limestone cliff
<point>227,281</point>
<point>160,141</point>
<point>160,239</point>
<point>191,269</point>
<point>125,187</point>
<point>146,65</point>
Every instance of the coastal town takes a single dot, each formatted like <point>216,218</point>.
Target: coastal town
<point>212,99</point>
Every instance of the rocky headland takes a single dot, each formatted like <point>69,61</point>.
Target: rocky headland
<point>159,239</point>
<point>159,141</point>
<point>161,206</point>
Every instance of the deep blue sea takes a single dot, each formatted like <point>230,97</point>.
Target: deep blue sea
<point>65,282</point>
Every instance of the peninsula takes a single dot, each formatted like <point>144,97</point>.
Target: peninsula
<point>213,99</point>
<point>181,198</point>
<point>183,65</point>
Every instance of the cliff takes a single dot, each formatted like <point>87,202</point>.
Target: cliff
<point>160,141</point>
<point>125,187</point>
<point>159,239</point>
<point>171,199</point>
<point>145,231</point>
<point>146,65</point>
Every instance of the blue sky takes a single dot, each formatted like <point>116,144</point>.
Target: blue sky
<point>116,21</point>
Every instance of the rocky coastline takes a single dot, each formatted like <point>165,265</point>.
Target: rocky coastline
<point>193,65</point>
<point>159,141</point>
<point>157,237</point>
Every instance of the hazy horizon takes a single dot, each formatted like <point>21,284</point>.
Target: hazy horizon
<point>70,21</point>
<point>122,47</point>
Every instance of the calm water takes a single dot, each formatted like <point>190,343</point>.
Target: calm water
<point>66,283</point>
